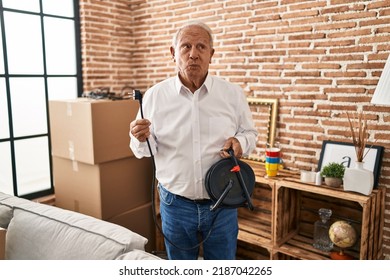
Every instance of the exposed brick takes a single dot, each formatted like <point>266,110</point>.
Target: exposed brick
<point>313,81</point>
<point>292,45</point>
<point>303,74</point>
<point>384,12</point>
<point>308,5</point>
<point>311,21</point>
<point>307,52</point>
<point>295,29</point>
<point>314,36</point>
<point>335,9</point>
<point>301,89</point>
<point>376,39</point>
<point>321,66</point>
<point>300,121</point>
<point>378,4</point>
<point>337,25</point>
<point>264,18</point>
<point>296,135</point>
<point>341,74</point>
<point>346,57</point>
<point>352,15</point>
<point>299,14</point>
<point>356,49</point>
<point>373,22</point>
<point>350,33</point>
<point>345,90</point>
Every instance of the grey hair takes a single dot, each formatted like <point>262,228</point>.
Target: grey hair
<point>193,23</point>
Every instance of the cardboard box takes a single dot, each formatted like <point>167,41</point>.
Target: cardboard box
<point>91,131</point>
<point>2,243</point>
<point>103,190</point>
<point>139,220</point>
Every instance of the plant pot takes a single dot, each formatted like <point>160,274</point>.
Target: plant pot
<point>333,182</point>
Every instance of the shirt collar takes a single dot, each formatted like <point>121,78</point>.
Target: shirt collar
<point>207,84</point>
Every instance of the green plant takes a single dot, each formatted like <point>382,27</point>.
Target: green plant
<point>334,170</point>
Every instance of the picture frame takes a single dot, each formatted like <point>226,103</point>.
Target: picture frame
<point>264,112</point>
<point>344,152</point>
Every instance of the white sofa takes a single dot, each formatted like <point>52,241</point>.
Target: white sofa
<point>35,231</point>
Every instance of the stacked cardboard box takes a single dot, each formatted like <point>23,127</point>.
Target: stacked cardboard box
<point>95,172</point>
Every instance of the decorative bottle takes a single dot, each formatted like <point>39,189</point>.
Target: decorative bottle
<point>358,179</point>
<point>321,231</point>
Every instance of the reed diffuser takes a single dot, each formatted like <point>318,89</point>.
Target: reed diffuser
<point>359,134</point>
<point>359,179</point>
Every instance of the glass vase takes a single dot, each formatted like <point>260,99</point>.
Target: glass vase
<point>321,238</point>
<point>358,179</point>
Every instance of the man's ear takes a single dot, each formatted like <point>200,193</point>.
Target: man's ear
<point>172,50</point>
<point>211,55</point>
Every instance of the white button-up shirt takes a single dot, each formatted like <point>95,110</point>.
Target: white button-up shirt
<point>189,129</point>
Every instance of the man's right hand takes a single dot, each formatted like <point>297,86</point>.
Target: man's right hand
<point>140,129</point>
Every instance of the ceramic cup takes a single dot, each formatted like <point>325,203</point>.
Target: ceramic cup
<point>272,159</point>
<point>272,152</point>
<point>271,169</point>
<point>308,176</point>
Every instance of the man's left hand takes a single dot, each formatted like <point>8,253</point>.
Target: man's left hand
<point>234,144</point>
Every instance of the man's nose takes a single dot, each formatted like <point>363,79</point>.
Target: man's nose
<point>194,53</point>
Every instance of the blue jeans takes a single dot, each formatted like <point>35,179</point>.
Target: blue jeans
<point>186,223</point>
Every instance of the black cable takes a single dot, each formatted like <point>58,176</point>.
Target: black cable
<point>138,96</point>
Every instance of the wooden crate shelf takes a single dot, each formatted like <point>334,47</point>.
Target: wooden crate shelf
<point>256,227</point>
<point>246,251</point>
<point>296,206</point>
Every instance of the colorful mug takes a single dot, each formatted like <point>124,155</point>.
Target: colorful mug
<point>271,169</point>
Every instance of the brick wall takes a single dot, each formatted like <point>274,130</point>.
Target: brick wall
<point>319,58</point>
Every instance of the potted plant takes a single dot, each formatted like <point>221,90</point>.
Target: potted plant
<point>333,173</point>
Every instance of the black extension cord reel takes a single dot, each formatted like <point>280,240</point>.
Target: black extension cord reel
<point>230,183</point>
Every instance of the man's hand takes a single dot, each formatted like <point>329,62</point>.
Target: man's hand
<point>234,144</point>
<point>140,129</point>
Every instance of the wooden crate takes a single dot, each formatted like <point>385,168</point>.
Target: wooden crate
<point>248,251</point>
<point>296,210</point>
<point>255,227</point>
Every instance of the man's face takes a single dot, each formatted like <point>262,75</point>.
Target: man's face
<point>192,54</point>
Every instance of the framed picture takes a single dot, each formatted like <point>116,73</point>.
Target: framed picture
<point>344,153</point>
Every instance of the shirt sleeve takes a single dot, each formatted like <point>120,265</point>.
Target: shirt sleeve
<point>247,132</point>
<point>141,149</point>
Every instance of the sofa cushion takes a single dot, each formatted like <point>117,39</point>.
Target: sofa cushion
<point>5,211</point>
<point>4,196</point>
<point>53,234</point>
<point>5,215</point>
